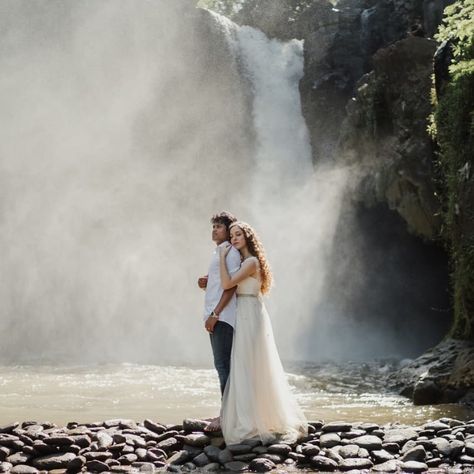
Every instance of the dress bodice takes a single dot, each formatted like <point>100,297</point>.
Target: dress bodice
<point>251,285</point>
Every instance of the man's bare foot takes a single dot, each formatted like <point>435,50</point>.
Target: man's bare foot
<point>214,425</point>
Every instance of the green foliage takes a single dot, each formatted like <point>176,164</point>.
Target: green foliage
<point>452,126</point>
<point>458,25</point>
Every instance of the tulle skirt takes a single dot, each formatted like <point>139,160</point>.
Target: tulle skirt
<point>257,401</point>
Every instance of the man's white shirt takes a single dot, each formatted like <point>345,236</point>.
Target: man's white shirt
<point>214,288</point>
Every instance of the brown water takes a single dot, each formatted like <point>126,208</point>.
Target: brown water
<point>171,393</point>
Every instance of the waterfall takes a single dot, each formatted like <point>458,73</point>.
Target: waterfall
<point>123,126</point>
<point>294,204</point>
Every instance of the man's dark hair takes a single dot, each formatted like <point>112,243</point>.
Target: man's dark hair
<point>225,218</point>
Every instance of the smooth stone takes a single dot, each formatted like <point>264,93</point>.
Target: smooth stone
<point>5,466</point>
<point>298,458</point>
<point>436,426</point>
<point>154,457</point>
<point>465,459</point>
<point>469,448</point>
<point>122,469</point>
<point>336,427</point>
<point>417,453</point>
<point>334,455</point>
<point>413,466</point>
<point>169,444</point>
<point>239,448</point>
<point>353,434</point>
<point>282,449</point>
<point>369,442</point>
<point>144,466</point>
<point>212,453</point>
<point>363,453</point>
<point>317,425</point>
<point>19,458</point>
<point>76,464</point>
<point>197,439</point>
<point>442,445</point>
<point>97,455</point>
<point>276,458</point>
<point>212,467</point>
<point>59,440</point>
<point>192,450</point>
<point>13,443</point>
<point>355,463</point>
<point>97,466</point>
<point>127,458</point>
<point>23,469</point>
<point>400,436</point>
<point>310,450</point>
<point>434,462</point>
<point>189,466</point>
<point>224,456</point>
<point>156,427</point>
<point>127,449</point>
<point>141,454</point>
<point>391,447</point>
<point>261,465</point>
<point>42,448</point>
<point>54,461</point>
<point>9,427</point>
<point>245,457</point>
<point>323,463</point>
<point>201,460</point>
<point>236,466</point>
<point>190,425</point>
<point>329,440</point>
<point>104,439</point>
<point>4,453</point>
<point>381,456</point>
<point>349,451</point>
<point>177,458</point>
<point>260,449</point>
<point>387,466</point>
<point>135,440</point>
<point>456,448</point>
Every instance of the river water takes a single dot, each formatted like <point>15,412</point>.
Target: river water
<point>350,392</point>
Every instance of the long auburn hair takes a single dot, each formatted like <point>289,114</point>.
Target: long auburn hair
<point>256,249</point>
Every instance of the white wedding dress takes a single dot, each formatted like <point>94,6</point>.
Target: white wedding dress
<point>257,401</point>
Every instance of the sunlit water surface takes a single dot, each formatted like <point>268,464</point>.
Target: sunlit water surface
<point>171,393</point>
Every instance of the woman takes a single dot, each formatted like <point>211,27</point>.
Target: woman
<point>257,400</point>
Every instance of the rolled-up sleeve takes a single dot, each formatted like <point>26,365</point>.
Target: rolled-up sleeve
<point>233,261</point>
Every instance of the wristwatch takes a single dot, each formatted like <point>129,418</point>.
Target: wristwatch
<point>214,315</point>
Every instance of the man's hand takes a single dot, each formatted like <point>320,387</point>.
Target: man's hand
<point>202,282</point>
<point>210,323</point>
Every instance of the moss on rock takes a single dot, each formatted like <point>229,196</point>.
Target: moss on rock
<point>452,126</point>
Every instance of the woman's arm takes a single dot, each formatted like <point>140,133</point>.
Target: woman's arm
<point>248,268</point>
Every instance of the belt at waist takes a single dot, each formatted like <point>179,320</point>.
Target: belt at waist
<point>240,295</point>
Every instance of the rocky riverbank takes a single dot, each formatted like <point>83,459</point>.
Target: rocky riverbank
<point>121,446</point>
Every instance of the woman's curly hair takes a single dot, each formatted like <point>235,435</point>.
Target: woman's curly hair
<point>256,249</point>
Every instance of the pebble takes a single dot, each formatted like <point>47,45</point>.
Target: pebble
<point>124,446</point>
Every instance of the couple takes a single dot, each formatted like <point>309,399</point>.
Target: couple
<point>256,399</point>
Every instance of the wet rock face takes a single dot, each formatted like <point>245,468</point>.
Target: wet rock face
<point>385,131</point>
<point>353,446</point>
<point>444,374</point>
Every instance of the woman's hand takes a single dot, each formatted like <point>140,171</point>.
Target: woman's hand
<point>224,249</point>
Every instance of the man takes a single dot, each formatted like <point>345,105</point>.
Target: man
<point>219,305</point>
